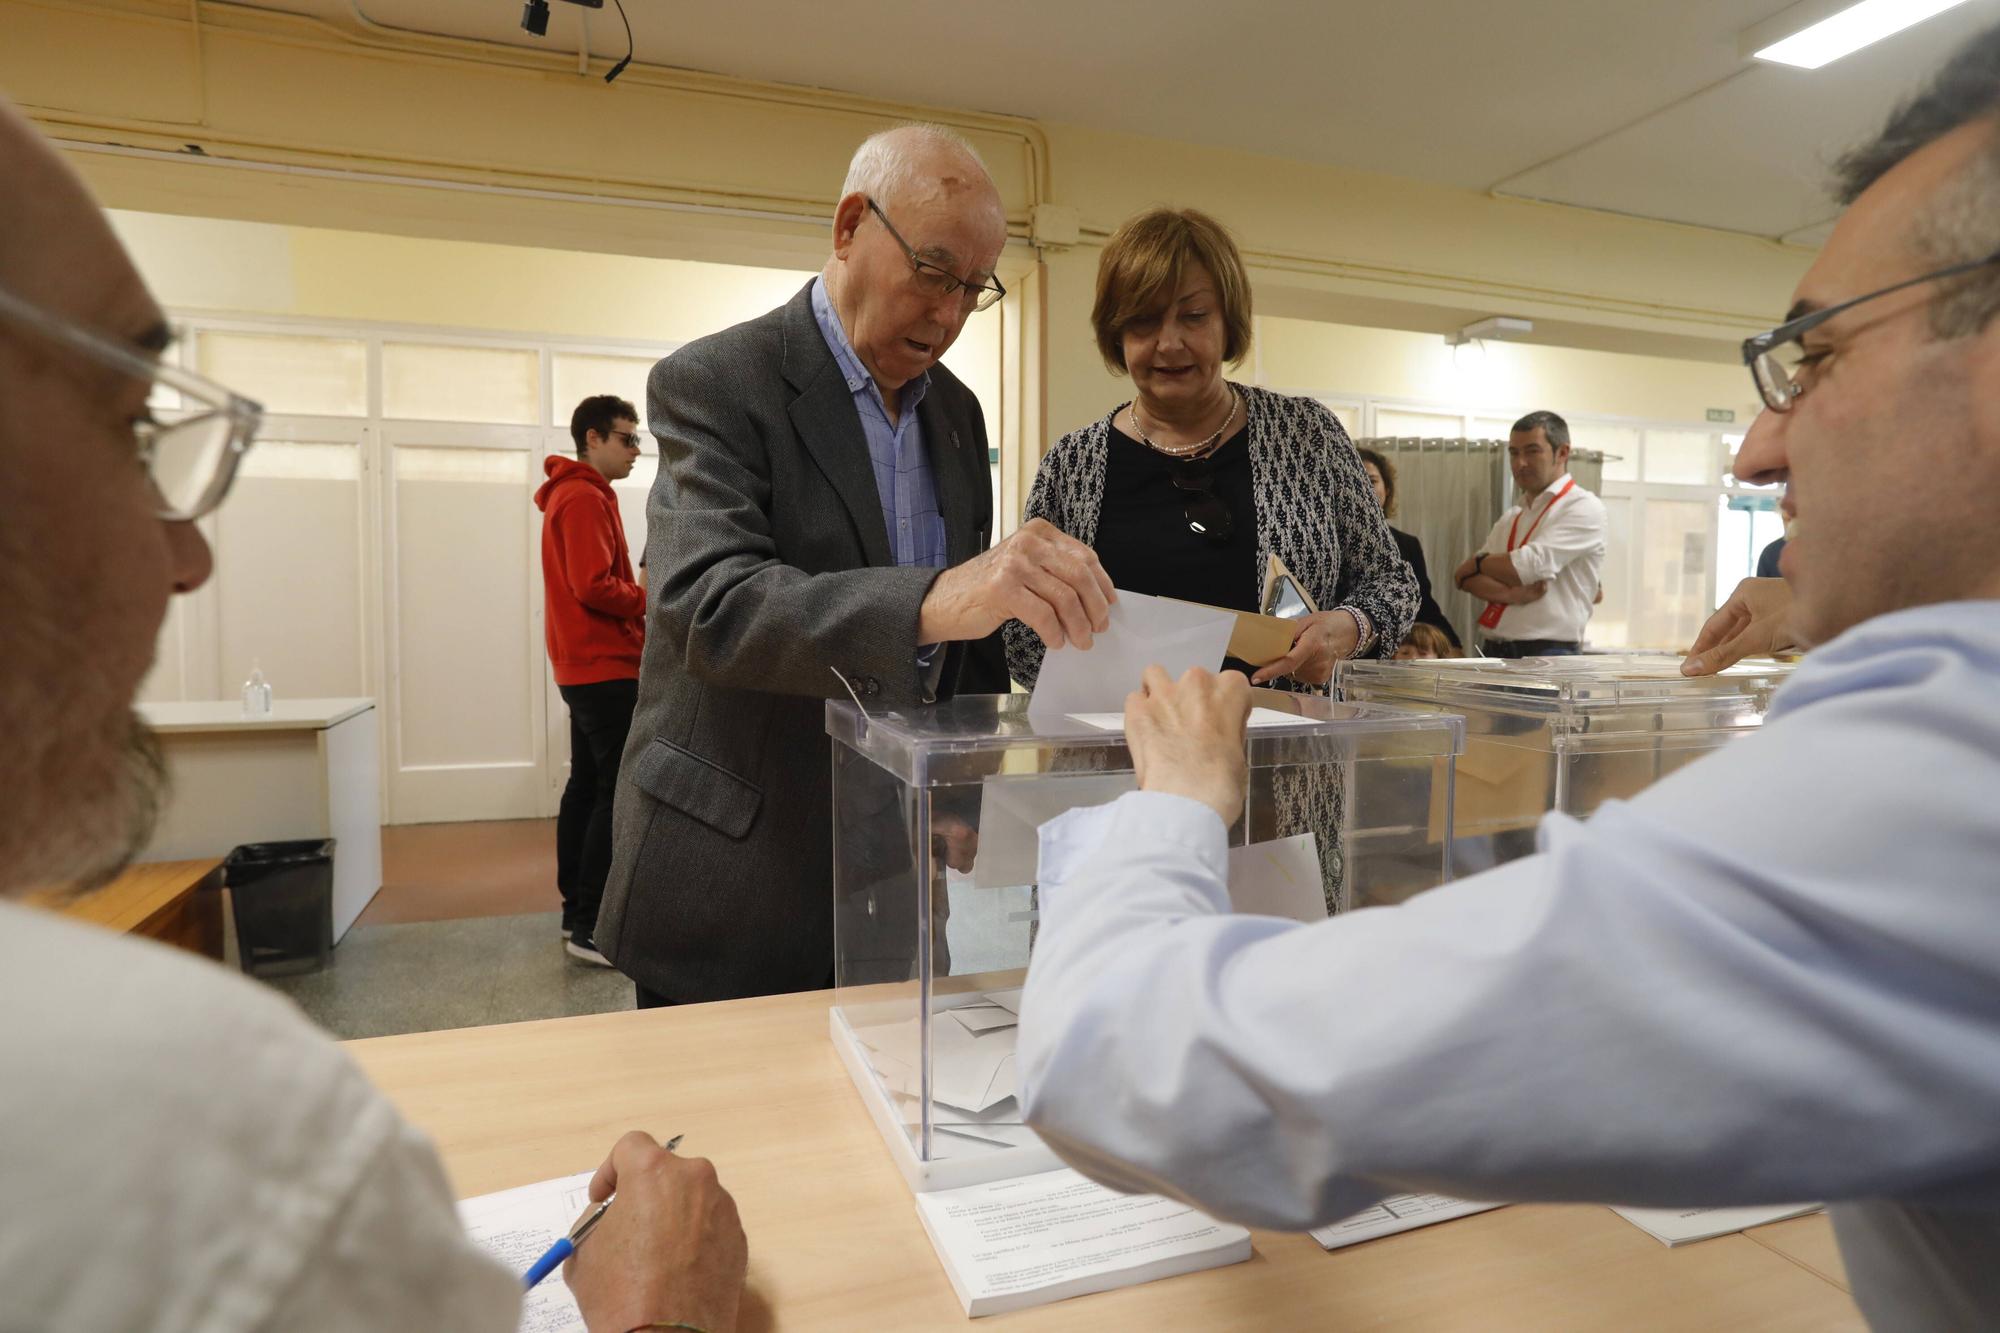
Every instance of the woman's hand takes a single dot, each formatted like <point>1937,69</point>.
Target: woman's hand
<point>1324,637</point>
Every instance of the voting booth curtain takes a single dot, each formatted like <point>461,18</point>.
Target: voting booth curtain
<point>1449,494</point>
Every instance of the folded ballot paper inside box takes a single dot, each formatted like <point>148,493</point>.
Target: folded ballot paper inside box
<point>1011,1244</point>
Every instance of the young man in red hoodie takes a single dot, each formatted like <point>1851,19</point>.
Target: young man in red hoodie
<point>595,614</point>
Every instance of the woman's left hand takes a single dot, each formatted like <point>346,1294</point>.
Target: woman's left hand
<point>1324,637</point>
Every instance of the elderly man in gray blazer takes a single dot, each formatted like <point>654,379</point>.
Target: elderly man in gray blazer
<point>820,524</point>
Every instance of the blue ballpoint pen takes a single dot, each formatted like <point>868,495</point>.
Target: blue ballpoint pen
<point>556,1254</point>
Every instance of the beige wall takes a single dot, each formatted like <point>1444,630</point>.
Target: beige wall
<point>345,130</point>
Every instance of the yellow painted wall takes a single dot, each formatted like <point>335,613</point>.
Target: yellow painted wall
<point>343,129</point>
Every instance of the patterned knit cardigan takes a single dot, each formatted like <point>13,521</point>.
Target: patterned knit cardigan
<point>1314,508</point>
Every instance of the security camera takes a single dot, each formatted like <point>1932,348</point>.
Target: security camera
<point>535,14</point>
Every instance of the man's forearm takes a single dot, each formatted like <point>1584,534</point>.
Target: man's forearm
<point>1488,589</point>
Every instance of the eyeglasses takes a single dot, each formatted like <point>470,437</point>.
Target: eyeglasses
<point>1775,383</point>
<point>934,281</point>
<point>191,462</point>
<point>1204,511</point>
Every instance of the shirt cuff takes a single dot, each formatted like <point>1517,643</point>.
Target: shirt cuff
<point>1141,828</point>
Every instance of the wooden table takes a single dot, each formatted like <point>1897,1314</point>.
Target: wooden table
<point>835,1242</point>
<point>176,902</point>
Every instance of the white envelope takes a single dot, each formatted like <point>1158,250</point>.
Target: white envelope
<point>1144,631</point>
<point>1259,717</point>
<point>1278,878</point>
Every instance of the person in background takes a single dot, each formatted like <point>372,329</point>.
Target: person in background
<point>1767,560</point>
<point>1382,480</point>
<point>1425,641</point>
<point>1538,571</point>
<point>819,526</point>
<point>1773,975</point>
<point>594,618</point>
<point>179,1147</point>
<point>1184,490</point>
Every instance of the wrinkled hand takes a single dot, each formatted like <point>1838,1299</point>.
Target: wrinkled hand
<point>669,1248</point>
<point>1323,638</point>
<point>1187,737</point>
<point>956,841</point>
<point>1040,576</point>
<point>1756,620</point>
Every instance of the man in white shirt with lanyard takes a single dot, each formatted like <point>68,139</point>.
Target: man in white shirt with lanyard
<point>1538,570</point>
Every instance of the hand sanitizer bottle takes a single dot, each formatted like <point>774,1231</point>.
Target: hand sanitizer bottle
<point>256,693</point>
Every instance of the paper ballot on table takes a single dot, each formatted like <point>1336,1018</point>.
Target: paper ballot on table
<point>1679,1226</point>
<point>1144,631</point>
<point>969,1070</point>
<point>1278,878</point>
<point>1259,717</point>
<point>1012,1244</point>
<point>517,1226</point>
<point>1398,1212</point>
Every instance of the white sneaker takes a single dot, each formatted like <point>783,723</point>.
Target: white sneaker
<point>585,950</point>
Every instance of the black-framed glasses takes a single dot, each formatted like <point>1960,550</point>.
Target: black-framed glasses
<point>1206,514</point>
<point>1774,382</point>
<point>192,461</point>
<point>933,280</point>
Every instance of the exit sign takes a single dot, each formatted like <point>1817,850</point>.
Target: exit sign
<point>1722,414</point>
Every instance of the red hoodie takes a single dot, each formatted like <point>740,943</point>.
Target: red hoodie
<point>594,612</point>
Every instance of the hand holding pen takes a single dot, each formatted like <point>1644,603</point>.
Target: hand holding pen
<point>671,1252</point>
<point>553,1257</point>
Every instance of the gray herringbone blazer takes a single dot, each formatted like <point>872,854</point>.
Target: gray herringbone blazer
<point>770,568</point>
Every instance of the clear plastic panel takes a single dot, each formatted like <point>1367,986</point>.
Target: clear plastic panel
<point>936,862</point>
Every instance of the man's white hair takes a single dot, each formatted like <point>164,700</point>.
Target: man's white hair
<point>892,161</point>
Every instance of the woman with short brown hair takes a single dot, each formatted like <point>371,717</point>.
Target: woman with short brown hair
<point>1185,490</point>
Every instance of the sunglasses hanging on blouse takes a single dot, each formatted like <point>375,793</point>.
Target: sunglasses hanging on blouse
<point>1206,514</point>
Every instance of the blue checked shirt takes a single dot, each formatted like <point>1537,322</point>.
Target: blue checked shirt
<point>902,469</point>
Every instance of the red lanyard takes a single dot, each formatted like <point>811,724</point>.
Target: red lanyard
<point>1490,617</point>
<point>1512,528</point>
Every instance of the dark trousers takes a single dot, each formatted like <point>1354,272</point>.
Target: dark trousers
<point>1530,647</point>
<point>600,715</point>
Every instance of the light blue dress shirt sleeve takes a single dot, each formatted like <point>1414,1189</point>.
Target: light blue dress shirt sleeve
<point>1775,975</point>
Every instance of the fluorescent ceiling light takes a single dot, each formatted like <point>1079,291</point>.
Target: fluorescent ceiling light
<point>1499,326</point>
<point>1840,34</point>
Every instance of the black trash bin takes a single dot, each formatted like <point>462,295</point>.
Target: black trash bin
<point>282,896</point>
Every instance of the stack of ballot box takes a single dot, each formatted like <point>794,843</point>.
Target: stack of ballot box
<point>1561,733</point>
<point>935,867</point>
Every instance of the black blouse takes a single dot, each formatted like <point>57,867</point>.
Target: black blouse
<point>1143,538</point>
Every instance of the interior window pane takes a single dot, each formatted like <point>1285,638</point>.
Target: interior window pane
<point>486,384</point>
<point>1619,444</point>
<point>1397,422</point>
<point>1746,523</point>
<point>1610,623</point>
<point>1673,574</point>
<point>300,376</point>
<point>1680,457</point>
<point>577,376</point>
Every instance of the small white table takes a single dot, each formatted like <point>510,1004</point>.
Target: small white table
<point>309,770</point>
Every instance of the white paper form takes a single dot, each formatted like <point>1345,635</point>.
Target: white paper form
<point>517,1226</point>
<point>1398,1212</point>
<point>1033,1239</point>
<point>1144,631</point>
<point>1259,717</point>
<point>1012,810</point>
<point>970,1071</point>
<point>1278,878</point>
<point>1679,1226</point>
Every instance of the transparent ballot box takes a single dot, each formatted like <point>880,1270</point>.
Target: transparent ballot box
<point>936,852</point>
<point>1561,733</point>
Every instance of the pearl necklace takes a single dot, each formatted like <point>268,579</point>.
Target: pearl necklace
<point>1189,451</point>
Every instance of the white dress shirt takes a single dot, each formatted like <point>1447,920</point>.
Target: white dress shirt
<point>1774,975</point>
<point>1566,550</point>
<point>181,1150</point>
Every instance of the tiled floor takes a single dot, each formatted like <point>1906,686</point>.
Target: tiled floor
<point>463,933</point>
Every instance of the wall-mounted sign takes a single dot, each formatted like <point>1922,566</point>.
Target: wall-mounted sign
<point>1722,414</point>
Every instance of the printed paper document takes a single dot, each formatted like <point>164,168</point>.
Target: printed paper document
<point>517,1227</point>
<point>1679,1226</point>
<point>1398,1212</point>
